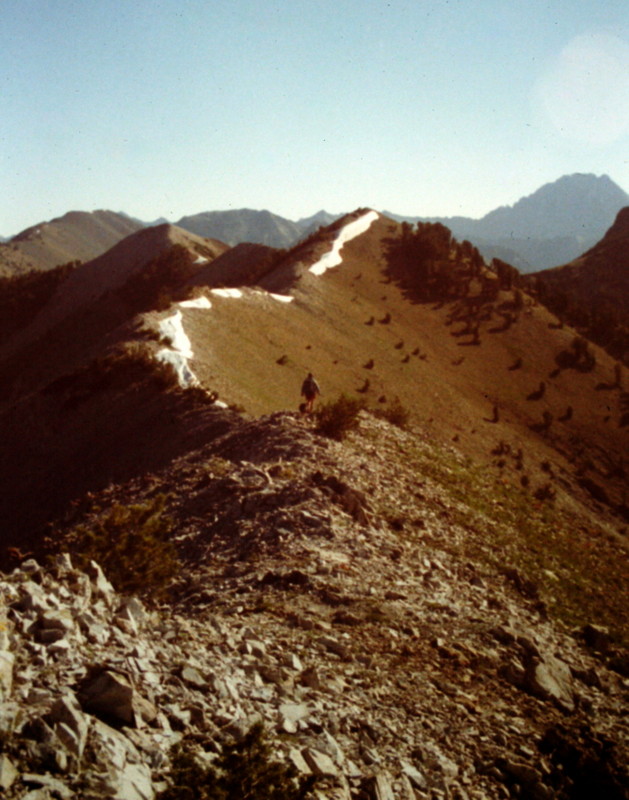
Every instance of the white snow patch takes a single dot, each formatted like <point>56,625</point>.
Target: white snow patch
<point>348,232</point>
<point>179,362</point>
<point>227,292</point>
<point>281,298</point>
<point>172,330</point>
<point>200,260</point>
<point>180,349</point>
<point>197,302</point>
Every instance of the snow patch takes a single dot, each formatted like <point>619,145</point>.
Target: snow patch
<point>179,363</point>
<point>227,292</point>
<point>172,330</point>
<point>197,302</point>
<point>180,349</point>
<point>281,298</point>
<point>348,232</point>
<point>200,260</point>
<point>238,293</point>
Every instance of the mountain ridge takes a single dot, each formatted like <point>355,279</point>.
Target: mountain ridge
<point>416,605</point>
<point>549,227</point>
<point>236,226</point>
<point>108,289</point>
<point>552,226</point>
<point>75,236</point>
<point>346,326</point>
<point>592,291</point>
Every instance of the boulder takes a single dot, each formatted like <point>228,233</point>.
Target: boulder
<point>416,778</point>
<point>8,773</point>
<point>551,679</point>
<point>70,723</point>
<point>110,696</point>
<point>382,787</point>
<point>7,663</point>
<point>32,598</point>
<point>597,637</point>
<point>135,783</point>
<point>320,763</point>
<point>336,647</point>
<point>100,585</point>
<point>193,677</point>
<point>49,784</point>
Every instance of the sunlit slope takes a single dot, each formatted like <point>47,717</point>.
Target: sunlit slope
<point>485,369</point>
<point>83,314</point>
<point>363,334</point>
<point>77,235</point>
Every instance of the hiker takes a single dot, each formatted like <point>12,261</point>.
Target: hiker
<point>310,390</point>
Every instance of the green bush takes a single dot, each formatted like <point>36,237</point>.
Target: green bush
<point>131,545</point>
<point>244,771</point>
<point>395,413</point>
<point>336,418</point>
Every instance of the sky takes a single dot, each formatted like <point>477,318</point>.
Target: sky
<point>163,109</point>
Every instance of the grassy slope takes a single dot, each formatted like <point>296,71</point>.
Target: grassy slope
<point>76,235</point>
<point>238,342</point>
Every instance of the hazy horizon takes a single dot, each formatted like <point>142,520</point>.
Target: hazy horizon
<point>163,109</point>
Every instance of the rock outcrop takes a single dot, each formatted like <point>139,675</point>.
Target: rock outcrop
<point>381,660</point>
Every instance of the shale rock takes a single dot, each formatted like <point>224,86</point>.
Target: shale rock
<point>381,661</point>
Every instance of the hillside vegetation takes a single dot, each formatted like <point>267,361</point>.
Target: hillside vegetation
<point>592,293</point>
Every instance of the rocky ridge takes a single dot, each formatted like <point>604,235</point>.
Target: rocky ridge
<point>335,600</point>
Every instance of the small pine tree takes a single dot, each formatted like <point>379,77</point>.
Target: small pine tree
<point>396,413</point>
<point>244,771</point>
<point>337,418</point>
<point>131,545</point>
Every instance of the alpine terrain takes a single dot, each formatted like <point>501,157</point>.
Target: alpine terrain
<point>552,226</point>
<point>419,590</point>
<point>592,292</point>
<point>77,236</point>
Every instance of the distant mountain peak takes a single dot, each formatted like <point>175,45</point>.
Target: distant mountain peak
<point>75,236</point>
<point>560,207</point>
<point>243,225</point>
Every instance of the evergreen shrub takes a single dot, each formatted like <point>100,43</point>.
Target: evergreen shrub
<point>396,413</point>
<point>131,545</point>
<point>245,770</point>
<point>336,418</point>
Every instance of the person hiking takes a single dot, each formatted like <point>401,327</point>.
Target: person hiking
<point>309,390</point>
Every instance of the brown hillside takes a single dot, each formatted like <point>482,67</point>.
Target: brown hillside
<point>111,420</point>
<point>592,292</point>
<point>13,261</point>
<point>76,236</point>
<point>107,289</point>
<point>484,368</point>
<point>434,610</point>
<point>255,350</point>
<point>240,265</point>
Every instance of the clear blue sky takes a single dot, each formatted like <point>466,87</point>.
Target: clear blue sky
<point>163,108</point>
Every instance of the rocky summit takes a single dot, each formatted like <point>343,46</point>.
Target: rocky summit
<point>370,611</point>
